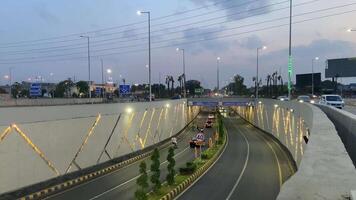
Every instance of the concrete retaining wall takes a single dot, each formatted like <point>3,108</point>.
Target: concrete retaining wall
<point>47,102</point>
<point>325,171</point>
<point>345,123</point>
<point>45,140</point>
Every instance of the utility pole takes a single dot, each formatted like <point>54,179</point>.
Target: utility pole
<point>89,81</point>
<point>102,77</point>
<point>217,73</point>
<point>290,60</point>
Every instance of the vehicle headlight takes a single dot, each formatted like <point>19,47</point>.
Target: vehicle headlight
<point>301,101</point>
<point>312,101</point>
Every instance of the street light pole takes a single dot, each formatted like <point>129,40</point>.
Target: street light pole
<point>184,76</point>
<point>89,81</point>
<point>290,68</point>
<point>257,61</point>
<point>316,58</point>
<point>102,77</point>
<point>149,49</point>
<point>218,73</point>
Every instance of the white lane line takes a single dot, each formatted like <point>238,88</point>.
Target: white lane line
<point>243,169</point>
<point>112,172</point>
<point>134,178</point>
<point>212,165</point>
<point>280,176</point>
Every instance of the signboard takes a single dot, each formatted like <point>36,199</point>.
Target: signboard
<point>344,67</point>
<point>98,91</point>
<point>207,104</point>
<point>305,80</point>
<point>234,103</point>
<point>125,89</point>
<point>200,137</point>
<point>35,90</point>
<point>199,91</point>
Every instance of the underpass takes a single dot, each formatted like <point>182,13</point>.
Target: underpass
<point>268,141</point>
<point>253,166</point>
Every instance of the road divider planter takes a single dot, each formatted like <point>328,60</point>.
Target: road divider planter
<point>185,179</point>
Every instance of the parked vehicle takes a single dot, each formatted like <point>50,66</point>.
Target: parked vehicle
<point>332,100</point>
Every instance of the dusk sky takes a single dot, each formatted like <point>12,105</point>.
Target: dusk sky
<point>39,37</point>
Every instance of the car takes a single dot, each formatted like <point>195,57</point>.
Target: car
<point>332,100</point>
<point>283,98</point>
<point>303,98</point>
<point>211,116</point>
<point>209,124</point>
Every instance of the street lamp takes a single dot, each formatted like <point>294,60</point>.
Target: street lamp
<point>257,79</point>
<point>217,73</point>
<point>314,59</point>
<point>149,49</point>
<point>184,87</point>
<point>290,61</point>
<point>88,40</point>
<point>351,30</point>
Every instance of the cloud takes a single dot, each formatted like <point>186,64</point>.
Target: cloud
<point>205,38</point>
<point>42,11</point>
<point>251,42</point>
<point>245,8</point>
<point>303,55</point>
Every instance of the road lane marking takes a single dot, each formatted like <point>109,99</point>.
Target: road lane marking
<point>245,165</point>
<point>132,179</point>
<point>276,157</point>
<point>212,165</point>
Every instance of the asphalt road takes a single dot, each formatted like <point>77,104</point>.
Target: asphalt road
<point>121,184</point>
<point>253,166</point>
<point>351,109</point>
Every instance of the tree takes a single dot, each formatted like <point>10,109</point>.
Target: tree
<point>142,182</point>
<point>156,173</point>
<point>170,167</point>
<point>83,87</point>
<point>16,89</point>
<point>63,88</point>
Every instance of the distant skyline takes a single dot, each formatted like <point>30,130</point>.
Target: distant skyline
<point>230,29</point>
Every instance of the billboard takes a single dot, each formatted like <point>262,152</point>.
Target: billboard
<point>305,80</point>
<point>344,67</point>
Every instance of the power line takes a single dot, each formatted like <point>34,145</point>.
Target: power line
<point>202,34</point>
<point>116,27</point>
<point>98,43</point>
<point>195,41</point>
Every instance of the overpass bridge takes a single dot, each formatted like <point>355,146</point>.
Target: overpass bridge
<point>288,150</point>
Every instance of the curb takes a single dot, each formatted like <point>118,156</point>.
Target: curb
<point>194,177</point>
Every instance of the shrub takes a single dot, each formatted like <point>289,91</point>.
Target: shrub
<point>170,167</point>
<point>156,173</point>
<point>189,169</point>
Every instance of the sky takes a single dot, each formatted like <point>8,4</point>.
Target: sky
<point>42,38</point>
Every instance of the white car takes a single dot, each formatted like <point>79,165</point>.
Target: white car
<point>332,100</point>
<point>283,98</point>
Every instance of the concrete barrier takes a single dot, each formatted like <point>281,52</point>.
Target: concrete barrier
<point>39,143</point>
<point>325,171</point>
<point>48,101</point>
<point>345,124</point>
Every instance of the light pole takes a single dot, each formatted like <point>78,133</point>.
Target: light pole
<point>217,73</point>
<point>184,77</point>
<point>316,58</point>
<point>290,61</point>
<point>102,77</point>
<point>89,81</point>
<point>257,78</point>
<point>149,49</point>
